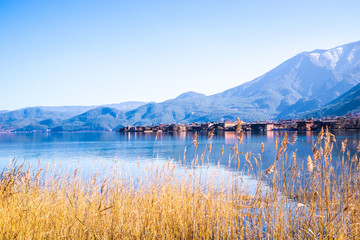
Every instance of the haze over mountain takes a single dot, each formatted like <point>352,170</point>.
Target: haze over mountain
<point>303,83</point>
<point>349,102</point>
<point>75,110</point>
<point>25,119</point>
<point>98,119</point>
<point>43,118</point>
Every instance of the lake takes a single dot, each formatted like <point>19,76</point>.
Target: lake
<point>97,151</point>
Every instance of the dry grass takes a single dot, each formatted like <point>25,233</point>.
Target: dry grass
<point>317,201</point>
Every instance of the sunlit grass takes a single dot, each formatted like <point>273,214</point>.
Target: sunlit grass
<point>313,198</point>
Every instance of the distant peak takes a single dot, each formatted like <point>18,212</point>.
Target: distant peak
<point>346,45</point>
<point>190,95</point>
<point>336,57</point>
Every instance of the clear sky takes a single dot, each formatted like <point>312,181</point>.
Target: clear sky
<point>74,52</point>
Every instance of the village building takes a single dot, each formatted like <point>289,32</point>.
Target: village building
<point>177,128</point>
<point>228,126</point>
<point>261,126</point>
<point>291,124</point>
<point>305,125</point>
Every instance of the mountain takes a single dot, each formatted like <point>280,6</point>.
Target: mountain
<point>76,110</point>
<point>186,111</point>
<point>349,102</point>
<point>320,75</point>
<point>98,119</point>
<point>190,95</point>
<point>301,106</point>
<point>301,84</point>
<point>44,118</point>
<point>19,119</point>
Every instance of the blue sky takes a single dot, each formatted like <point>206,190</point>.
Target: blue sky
<point>56,53</point>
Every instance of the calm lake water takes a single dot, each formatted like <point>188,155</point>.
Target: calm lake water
<point>96,151</point>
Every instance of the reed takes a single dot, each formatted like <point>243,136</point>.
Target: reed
<point>313,198</point>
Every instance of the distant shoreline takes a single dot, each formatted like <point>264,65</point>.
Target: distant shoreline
<point>338,123</point>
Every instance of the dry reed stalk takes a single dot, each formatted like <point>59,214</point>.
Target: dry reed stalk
<point>310,164</point>
<point>238,127</point>
<point>256,161</point>
<point>195,140</point>
<point>276,142</point>
<point>270,169</point>
<point>241,137</point>
<point>343,145</point>
<point>156,136</point>
<point>211,133</point>
<point>248,158</point>
<point>162,205</point>
<point>293,138</point>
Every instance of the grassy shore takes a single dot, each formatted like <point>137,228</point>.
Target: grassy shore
<point>316,200</point>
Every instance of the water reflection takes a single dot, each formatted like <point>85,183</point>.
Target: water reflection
<point>270,135</point>
<point>229,137</point>
<point>87,148</point>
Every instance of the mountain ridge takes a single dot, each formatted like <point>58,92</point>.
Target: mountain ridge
<point>303,83</point>
<point>347,103</point>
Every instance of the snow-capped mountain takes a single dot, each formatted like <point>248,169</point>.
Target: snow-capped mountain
<point>303,83</point>
<point>339,59</point>
<point>320,75</point>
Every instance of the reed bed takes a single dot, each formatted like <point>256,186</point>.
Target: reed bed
<point>313,198</point>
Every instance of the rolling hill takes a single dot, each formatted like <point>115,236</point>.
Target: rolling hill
<point>44,118</point>
<point>98,119</point>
